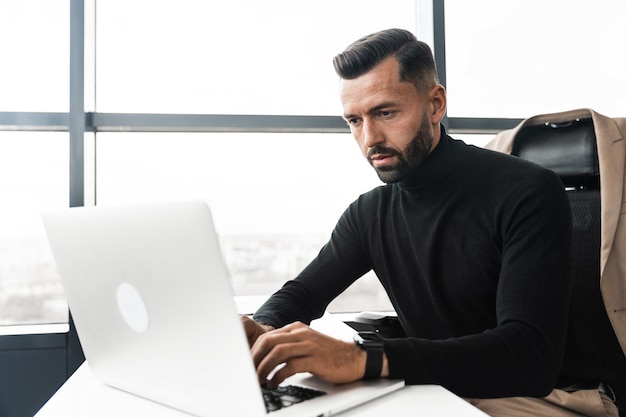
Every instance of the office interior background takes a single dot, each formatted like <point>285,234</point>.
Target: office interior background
<point>236,103</point>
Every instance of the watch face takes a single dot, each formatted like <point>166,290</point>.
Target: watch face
<point>369,336</point>
<point>368,339</point>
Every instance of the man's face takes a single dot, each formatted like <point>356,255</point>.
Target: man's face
<point>389,120</point>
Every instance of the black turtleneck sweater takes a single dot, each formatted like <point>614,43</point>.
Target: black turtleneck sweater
<point>473,250</point>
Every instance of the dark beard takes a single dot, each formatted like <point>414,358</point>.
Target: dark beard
<point>413,155</point>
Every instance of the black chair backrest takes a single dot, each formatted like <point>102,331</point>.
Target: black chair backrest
<point>569,149</point>
<point>593,353</point>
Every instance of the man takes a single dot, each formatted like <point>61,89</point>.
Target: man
<point>472,247</point>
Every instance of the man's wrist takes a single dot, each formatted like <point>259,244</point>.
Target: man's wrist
<point>374,348</point>
<point>267,327</point>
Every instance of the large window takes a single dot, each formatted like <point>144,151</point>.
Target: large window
<point>519,58</point>
<point>33,178</point>
<point>76,73</point>
<point>236,102</point>
<point>230,57</point>
<point>275,197</point>
<point>34,47</point>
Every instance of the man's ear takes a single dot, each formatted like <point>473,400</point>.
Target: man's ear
<point>438,103</point>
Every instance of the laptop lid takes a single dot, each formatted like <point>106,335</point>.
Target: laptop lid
<point>151,299</point>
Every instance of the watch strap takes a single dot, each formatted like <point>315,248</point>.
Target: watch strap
<point>374,362</point>
<point>374,348</point>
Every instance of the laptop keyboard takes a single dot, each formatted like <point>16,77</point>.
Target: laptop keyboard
<point>285,396</point>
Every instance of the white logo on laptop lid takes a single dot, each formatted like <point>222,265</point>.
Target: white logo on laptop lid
<point>132,307</point>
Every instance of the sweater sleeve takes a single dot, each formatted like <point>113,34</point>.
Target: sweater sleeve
<point>339,263</point>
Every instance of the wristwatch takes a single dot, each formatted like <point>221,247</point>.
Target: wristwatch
<point>373,344</point>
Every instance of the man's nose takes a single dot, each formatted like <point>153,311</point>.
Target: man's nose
<point>371,135</point>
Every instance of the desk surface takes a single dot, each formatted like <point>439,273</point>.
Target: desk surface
<point>82,395</point>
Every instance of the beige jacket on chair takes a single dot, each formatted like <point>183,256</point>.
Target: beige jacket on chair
<point>611,141</point>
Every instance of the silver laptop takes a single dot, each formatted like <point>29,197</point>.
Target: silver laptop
<point>153,306</point>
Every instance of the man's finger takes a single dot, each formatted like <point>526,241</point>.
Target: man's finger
<point>284,353</point>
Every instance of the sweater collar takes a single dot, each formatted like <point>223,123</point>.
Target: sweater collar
<point>435,166</point>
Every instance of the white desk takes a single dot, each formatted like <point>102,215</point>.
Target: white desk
<point>84,396</point>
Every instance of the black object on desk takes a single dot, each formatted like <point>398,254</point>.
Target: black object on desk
<point>385,325</point>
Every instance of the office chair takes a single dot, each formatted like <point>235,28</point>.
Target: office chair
<point>593,351</point>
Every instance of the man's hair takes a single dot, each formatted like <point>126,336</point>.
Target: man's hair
<point>414,57</point>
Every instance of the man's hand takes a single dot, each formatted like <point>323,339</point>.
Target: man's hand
<point>302,349</point>
<point>253,329</point>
